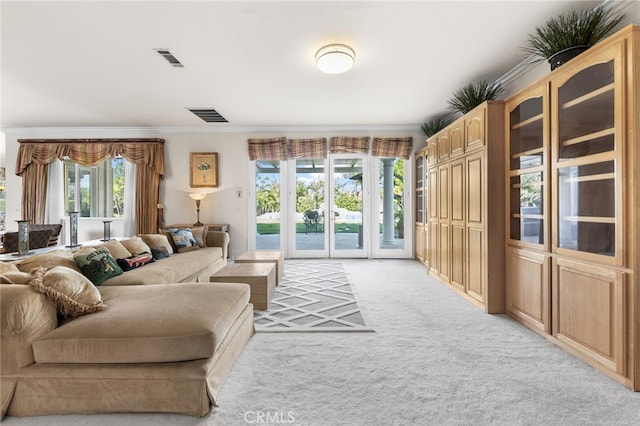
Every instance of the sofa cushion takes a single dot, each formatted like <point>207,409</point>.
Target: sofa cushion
<point>133,262</point>
<point>157,241</point>
<point>98,265</point>
<point>183,239</point>
<point>117,250</point>
<point>160,252</point>
<point>136,246</point>
<point>198,234</point>
<point>15,277</point>
<point>49,260</point>
<point>154,323</point>
<point>72,293</point>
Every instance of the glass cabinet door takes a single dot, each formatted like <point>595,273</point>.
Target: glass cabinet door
<point>586,161</point>
<point>420,189</point>
<point>526,120</point>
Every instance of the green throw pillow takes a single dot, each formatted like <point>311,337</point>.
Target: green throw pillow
<point>98,265</point>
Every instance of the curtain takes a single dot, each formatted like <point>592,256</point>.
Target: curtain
<point>129,226</point>
<point>392,147</point>
<point>307,148</point>
<point>268,149</point>
<point>148,154</point>
<point>54,206</point>
<point>343,144</point>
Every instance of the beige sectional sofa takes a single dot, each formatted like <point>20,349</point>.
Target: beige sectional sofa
<point>158,347</point>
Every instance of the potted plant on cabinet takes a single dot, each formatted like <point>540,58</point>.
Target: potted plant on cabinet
<point>473,94</point>
<point>433,126</point>
<point>566,36</point>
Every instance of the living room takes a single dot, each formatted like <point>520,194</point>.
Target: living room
<point>77,71</point>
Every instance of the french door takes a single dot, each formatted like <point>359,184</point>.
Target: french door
<point>346,205</point>
<point>331,202</point>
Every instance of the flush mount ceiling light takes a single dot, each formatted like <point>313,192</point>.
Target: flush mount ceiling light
<point>335,58</point>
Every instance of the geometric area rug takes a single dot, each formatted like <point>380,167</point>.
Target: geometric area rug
<point>313,295</point>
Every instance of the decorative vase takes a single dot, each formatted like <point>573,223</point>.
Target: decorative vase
<point>565,55</point>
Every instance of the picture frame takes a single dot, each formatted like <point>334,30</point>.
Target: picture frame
<point>203,169</point>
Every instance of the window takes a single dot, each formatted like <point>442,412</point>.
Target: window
<point>95,191</point>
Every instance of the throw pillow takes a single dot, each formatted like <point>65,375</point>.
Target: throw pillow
<point>117,250</point>
<point>167,234</point>
<point>72,293</point>
<point>159,252</point>
<point>157,241</point>
<point>134,262</point>
<point>198,234</point>
<point>49,260</point>
<point>136,246</point>
<point>15,277</point>
<point>183,240</point>
<point>8,267</point>
<point>98,265</point>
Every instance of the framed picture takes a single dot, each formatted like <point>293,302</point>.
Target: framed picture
<point>204,170</point>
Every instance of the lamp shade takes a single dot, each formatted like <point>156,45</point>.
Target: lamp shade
<point>198,196</point>
<point>335,58</point>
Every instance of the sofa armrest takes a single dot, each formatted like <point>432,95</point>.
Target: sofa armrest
<point>24,316</point>
<point>218,239</point>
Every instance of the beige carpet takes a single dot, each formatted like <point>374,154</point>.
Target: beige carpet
<point>433,360</point>
<point>314,295</point>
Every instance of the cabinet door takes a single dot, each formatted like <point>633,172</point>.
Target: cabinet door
<point>442,139</point>
<point>458,190</point>
<point>432,150</point>
<point>444,223</point>
<point>420,188</point>
<point>433,214</point>
<point>587,159</point>
<point>420,242</point>
<point>474,124</point>
<point>588,311</point>
<point>476,256</point>
<point>528,289</point>
<point>527,177</point>
<point>456,137</point>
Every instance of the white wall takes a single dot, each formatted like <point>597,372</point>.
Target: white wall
<point>221,205</point>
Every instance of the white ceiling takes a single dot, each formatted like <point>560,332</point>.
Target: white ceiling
<point>93,64</point>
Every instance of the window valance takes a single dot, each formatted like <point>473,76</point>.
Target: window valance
<point>392,147</point>
<point>308,148</point>
<point>344,144</point>
<point>90,152</point>
<point>268,149</point>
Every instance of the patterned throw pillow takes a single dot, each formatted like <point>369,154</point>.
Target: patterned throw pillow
<point>133,262</point>
<point>183,240</point>
<point>160,252</point>
<point>98,265</point>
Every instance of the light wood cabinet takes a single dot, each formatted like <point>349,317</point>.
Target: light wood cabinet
<point>465,211</point>
<point>420,205</point>
<point>573,222</point>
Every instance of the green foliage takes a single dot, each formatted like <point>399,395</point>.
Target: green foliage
<point>118,187</point>
<point>433,126</point>
<point>267,195</point>
<point>530,185</point>
<point>309,196</point>
<point>572,29</point>
<point>473,94</point>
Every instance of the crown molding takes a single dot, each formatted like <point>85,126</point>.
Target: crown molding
<point>129,131</point>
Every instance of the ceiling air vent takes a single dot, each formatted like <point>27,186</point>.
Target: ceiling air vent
<point>170,58</point>
<point>209,115</point>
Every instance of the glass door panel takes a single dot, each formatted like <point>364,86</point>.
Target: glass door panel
<point>267,190</point>
<point>309,223</point>
<point>349,236</point>
<point>391,201</point>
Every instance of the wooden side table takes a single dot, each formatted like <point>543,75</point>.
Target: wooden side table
<point>275,257</point>
<point>261,277</point>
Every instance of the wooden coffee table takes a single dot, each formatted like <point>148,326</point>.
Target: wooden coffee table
<point>275,257</point>
<point>261,277</point>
